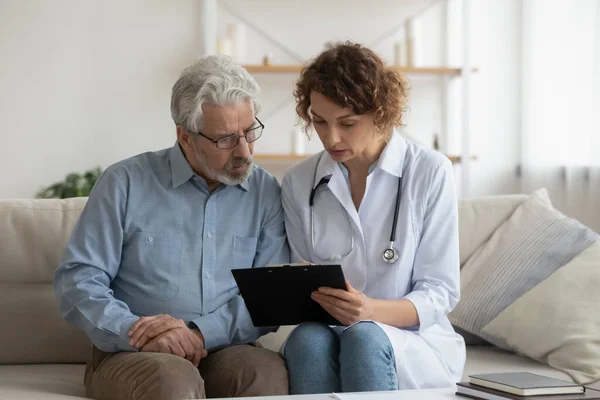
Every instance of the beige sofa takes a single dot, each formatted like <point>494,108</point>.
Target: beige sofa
<point>41,356</point>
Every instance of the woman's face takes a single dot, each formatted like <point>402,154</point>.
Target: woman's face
<point>344,134</point>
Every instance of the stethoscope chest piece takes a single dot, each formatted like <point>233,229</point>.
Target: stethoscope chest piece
<point>390,255</point>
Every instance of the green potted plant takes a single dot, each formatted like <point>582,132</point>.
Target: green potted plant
<point>74,185</point>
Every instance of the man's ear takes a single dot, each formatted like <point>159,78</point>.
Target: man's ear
<point>183,137</point>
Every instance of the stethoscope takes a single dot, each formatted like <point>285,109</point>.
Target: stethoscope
<point>390,254</point>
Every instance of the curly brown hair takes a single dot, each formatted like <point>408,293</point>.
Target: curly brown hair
<point>353,76</point>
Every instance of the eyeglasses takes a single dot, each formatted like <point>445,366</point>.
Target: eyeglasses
<point>231,141</point>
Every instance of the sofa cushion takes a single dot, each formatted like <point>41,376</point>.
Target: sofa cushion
<point>48,382</point>
<point>490,359</point>
<point>469,338</point>
<point>37,333</point>
<point>65,382</point>
<point>480,359</point>
<point>479,218</point>
<point>274,340</point>
<point>34,236</point>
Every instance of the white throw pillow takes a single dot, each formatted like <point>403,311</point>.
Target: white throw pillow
<point>558,321</point>
<point>523,252</point>
<point>479,218</point>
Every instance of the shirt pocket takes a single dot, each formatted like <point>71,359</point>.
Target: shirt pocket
<point>244,250</point>
<point>151,262</point>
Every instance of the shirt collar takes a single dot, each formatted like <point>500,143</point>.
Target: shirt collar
<point>245,185</point>
<point>181,171</point>
<point>393,155</point>
<point>326,166</point>
<point>390,161</point>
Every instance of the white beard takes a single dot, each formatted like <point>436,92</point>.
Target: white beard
<point>226,176</point>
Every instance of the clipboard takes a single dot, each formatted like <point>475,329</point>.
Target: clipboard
<point>280,295</point>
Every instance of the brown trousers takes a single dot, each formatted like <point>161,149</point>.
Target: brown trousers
<point>238,371</point>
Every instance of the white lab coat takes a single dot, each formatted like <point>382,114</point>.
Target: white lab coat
<point>427,272</point>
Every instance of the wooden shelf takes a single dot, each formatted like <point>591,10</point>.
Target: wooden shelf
<point>431,70</point>
<point>283,158</point>
<point>458,159</point>
<point>282,68</point>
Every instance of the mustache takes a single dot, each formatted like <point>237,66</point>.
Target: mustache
<point>240,161</point>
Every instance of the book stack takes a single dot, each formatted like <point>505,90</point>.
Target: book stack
<point>522,385</point>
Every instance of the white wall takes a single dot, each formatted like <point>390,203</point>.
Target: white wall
<point>496,108</point>
<point>305,31</point>
<point>88,83</point>
<point>495,51</point>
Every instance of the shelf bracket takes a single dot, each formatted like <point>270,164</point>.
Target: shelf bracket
<point>298,58</point>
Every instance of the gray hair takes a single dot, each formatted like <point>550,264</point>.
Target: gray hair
<point>213,79</point>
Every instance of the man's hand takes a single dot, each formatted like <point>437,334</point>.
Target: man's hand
<point>147,328</point>
<point>183,342</point>
<point>347,306</point>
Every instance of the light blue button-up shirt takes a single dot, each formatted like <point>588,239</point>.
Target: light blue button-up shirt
<point>153,239</point>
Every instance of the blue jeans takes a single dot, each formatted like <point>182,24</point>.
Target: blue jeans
<point>320,361</point>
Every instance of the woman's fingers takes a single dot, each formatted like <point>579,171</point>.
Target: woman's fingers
<point>340,294</point>
<point>340,307</point>
<point>335,312</point>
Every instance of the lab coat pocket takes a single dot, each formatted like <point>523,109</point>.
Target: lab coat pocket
<point>152,260</point>
<point>244,250</point>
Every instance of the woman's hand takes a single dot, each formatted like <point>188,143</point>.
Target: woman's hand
<point>347,306</point>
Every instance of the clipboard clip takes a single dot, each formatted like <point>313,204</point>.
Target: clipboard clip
<point>289,265</point>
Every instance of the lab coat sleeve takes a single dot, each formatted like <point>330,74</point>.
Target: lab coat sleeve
<point>297,231</point>
<point>436,269</point>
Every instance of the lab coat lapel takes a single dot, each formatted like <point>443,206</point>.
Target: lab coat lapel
<point>394,154</point>
<point>338,186</point>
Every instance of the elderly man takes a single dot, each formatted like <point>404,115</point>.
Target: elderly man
<point>147,271</point>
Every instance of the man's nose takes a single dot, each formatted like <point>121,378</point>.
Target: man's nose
<point>242,149</point>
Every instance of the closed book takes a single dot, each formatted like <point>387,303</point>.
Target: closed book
<point>525,384</point>
<point>469,390</point>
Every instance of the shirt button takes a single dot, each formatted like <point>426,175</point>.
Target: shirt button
<point>150,238</point>
<point>209,235</point>
<point>207,275</point>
